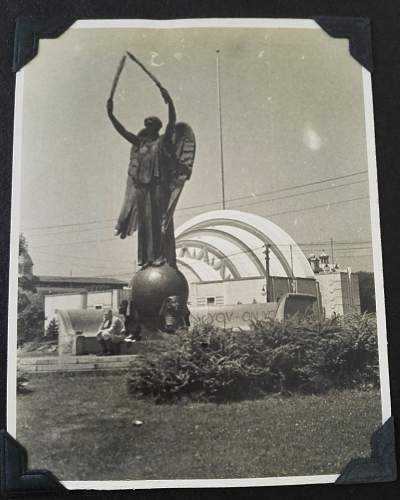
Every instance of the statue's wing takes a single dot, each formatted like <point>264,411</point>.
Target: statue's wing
<point>184,146</point>
<point>184,149</point>
<point>127,220</point>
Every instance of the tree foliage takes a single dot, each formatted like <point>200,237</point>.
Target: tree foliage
<point>52,329</point>
<point>367,291</point>
<point>23,244</point>
<point>30,316</point>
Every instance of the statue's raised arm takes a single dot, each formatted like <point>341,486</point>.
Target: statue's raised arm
<point>129,136</point>
<point>169,131</point>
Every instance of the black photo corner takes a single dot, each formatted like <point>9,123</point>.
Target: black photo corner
<point>373,31</point>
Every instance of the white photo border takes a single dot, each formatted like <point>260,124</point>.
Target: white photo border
<point>376,244</point>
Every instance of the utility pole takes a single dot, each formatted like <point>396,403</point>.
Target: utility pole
<point>333,262</point>
<point>221,145</point>
<point>291,258</point>
<point>293,285</point>
<point>267,273</point>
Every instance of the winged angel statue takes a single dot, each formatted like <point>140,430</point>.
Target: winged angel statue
<point>158,169</point>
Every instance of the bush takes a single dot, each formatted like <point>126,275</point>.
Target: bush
<point>299,355</point>
<point>367,291</point>
<point>52,330</point>
<point>30,322</point>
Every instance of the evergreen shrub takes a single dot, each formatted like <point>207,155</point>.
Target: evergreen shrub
<point>298,355</point>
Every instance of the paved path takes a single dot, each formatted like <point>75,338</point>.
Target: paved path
<point>87,363</point>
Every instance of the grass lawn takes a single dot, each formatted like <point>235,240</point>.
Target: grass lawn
<point>80,426</point>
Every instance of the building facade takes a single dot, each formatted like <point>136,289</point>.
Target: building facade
<point>69,292</point>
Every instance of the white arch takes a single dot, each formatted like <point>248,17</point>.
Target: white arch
<point>286,258</point>
<point>199,269</point>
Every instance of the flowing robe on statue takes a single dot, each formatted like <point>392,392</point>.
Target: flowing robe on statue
<point>146,201</point>
<point>158,169</point>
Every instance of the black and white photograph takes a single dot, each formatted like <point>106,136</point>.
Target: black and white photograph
<point>196,287</point>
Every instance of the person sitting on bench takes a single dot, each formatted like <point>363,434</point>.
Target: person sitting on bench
<point>110,334</point>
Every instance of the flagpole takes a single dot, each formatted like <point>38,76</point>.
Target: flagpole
<point>221,145</point>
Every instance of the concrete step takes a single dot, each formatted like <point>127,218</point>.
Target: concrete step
<point>75,363</point>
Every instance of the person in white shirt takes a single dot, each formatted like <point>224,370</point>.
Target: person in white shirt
<point>110,334</point>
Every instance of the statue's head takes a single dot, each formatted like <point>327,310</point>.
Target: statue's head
<point>152,124</point>
<point>175,302</point>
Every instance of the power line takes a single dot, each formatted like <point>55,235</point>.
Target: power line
<point>325,205</point>
<point>304,245</point>
<point>225,257</point>
<point>268,215</point>
<point>74,242</point>
<point>81,265</point>
<point>211,203</point>
<point>352,249</point>
<point>341,242</point>
<point>78,256</point>
<point>258,202</point>
<point>67,225</point>
<point>201,205</point>
<point>300,194</point>
<point>356,256</point>
<point>86,230</point>
<point>242,205</point>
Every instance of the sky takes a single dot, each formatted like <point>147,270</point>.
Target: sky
<point>293,130</point>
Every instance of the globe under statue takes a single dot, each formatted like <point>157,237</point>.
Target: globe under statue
<point>159,166</point>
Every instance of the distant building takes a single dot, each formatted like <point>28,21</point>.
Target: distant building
<point>69,292</point>
<point>339,288</point>
<point>59,284</point>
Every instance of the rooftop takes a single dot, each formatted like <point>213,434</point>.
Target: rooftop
<point>92,280</point>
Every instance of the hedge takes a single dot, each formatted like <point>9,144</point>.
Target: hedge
<point>301,354</point>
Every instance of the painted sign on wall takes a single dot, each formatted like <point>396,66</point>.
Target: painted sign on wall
<point>232,316</point>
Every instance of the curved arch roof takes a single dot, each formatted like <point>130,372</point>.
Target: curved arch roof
<point>199,269</point>
<point>235,240</point>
